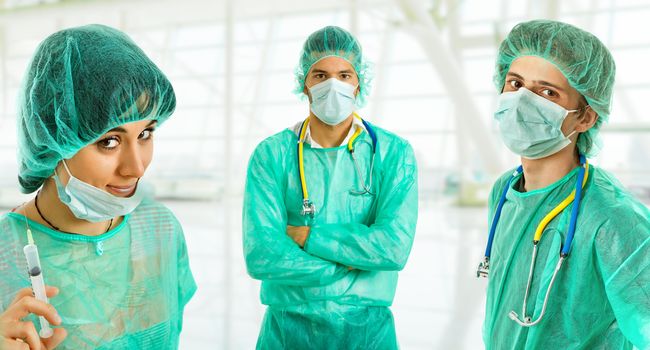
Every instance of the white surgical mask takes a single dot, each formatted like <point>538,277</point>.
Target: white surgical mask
<point>89,203</point>
<point>530,125</point>
<point>332,101</point>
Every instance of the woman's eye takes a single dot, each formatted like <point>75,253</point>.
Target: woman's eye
<point>108,143</point>
<point>146,134</point>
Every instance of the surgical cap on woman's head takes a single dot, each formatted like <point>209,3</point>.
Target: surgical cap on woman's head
<point>583,59</point>
<point>81,83</point>
<point>334,41</point>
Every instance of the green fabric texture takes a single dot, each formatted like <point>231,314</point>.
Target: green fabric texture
<point>372,235</point>
<point>334,41</point>
<point>81,83</point>
<point>328,326</point>
<point>601,295</point>
<point>125,289</point>
<point>583,59</point>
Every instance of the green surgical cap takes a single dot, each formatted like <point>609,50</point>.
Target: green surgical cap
<point>81,83</point>
<point>583,59</point>
<point>338,42</point>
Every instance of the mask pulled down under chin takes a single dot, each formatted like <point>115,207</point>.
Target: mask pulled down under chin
<point>92,204</point>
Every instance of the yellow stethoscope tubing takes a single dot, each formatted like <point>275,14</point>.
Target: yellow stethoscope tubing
<point>558,209</point>
<point>301,163</point>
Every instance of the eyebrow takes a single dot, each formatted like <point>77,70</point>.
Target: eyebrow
<point>349,71</point>
<point>123,131</point>
<point>541,82</point>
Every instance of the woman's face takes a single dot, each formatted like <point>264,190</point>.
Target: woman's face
<point>116,161</point>
<point>543,78</point>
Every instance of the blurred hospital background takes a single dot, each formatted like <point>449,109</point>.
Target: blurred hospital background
<point>231,64</point>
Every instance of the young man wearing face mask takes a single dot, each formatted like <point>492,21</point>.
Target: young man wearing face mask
<point>330,210</point>
<point>568,254</point>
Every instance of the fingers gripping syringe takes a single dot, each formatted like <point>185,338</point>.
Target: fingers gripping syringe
<point>36,277</point>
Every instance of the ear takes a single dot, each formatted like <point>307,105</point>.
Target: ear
<point>306,92</point>
<point>588,120</point>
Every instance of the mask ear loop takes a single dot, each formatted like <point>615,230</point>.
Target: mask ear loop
<point>583,109</point>
<point>65,165</point>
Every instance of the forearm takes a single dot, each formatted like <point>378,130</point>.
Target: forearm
<point>378,247</point>
<point>281,260</point>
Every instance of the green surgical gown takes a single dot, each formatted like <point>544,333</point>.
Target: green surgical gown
<point>601,296</point>
<point>335,293</point>
<point>125,289</point>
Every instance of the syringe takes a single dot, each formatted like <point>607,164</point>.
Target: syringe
<point>36,277</point>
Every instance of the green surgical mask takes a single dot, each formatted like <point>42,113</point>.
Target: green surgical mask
<point>530,125</point>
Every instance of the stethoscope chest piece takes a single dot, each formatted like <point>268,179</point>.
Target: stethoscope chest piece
<point>308,209</point>
<point>483,269</point>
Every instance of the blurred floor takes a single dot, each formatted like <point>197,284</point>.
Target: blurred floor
<point>438,305</point>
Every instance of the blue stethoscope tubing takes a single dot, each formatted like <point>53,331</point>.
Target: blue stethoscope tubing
<point>483,269</point>
<point>574,209</point>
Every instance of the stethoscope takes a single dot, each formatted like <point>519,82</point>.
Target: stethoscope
<point>308,207</point>
<point>484,267</point>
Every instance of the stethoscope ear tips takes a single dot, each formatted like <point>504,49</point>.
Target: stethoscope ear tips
<point>527,322</point>
<point>513,316</point>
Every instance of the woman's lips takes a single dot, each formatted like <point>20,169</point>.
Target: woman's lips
<point>121,191</point>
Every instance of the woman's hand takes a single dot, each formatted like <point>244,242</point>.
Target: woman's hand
<point>18,334</point>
